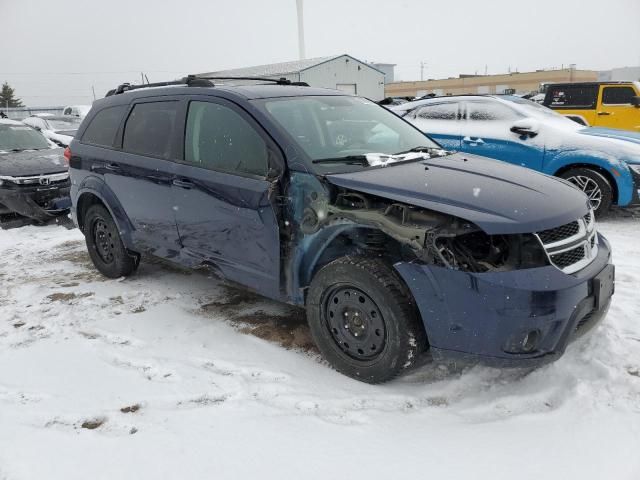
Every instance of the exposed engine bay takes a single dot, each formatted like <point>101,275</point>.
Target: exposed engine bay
<point>428,236</point>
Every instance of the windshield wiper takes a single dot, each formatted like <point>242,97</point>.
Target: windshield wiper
<point>420,149</point>
<point>349,159</point>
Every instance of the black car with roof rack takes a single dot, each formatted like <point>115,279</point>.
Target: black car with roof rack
<point>397,248</point>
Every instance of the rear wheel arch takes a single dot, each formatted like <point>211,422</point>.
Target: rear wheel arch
<point>90,197</point>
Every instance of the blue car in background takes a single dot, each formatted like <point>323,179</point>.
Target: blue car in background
<point>604,163</point>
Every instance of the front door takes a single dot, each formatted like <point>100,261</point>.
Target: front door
<point>223,201</point>
<point>615,109</point>
<point>486,131</point>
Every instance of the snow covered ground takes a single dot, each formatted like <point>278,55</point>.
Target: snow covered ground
<point>170,374</point>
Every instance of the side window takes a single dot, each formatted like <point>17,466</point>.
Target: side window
<point>617,95</point>
<point>150,129</point>
<point>67,111</point>
<point>102,129</point>
<point>439,111</point>
<point>220,139</point>
<point>490,111</point>
<point>572,96</point>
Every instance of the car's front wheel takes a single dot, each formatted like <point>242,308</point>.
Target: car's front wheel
<point>364,320</point>
<point>594,185</point>
<point>105,247</point>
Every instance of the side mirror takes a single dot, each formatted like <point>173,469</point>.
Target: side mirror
<point>526,126</point>
<point>635,101</point>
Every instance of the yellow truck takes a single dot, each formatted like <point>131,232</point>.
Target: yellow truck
<point>597,104</point>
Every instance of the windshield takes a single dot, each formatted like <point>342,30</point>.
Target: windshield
<point>334,127</point>
<point>72,123</point>
<point>21,137</point>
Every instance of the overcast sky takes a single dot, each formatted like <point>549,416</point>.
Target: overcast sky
<point>53,52</point>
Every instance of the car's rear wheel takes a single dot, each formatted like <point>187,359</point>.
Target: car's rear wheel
<point>105,247</point>
<point>364,320</point>
<point>594,185</point>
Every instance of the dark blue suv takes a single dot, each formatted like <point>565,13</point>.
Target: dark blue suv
<point>395,246</point>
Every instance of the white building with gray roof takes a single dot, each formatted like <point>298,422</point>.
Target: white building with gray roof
<point>341,72</point>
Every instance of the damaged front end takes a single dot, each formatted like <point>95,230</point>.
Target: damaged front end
<point>500,299</point>
<point>38,197</point>
<point>432,237</point>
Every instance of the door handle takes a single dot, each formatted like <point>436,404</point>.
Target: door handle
<point>114,167</point>
<point>183,183</point>
<point>604,113</point>
<point>475,140</point>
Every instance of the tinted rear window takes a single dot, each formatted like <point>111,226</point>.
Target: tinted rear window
<point>102,129</point>
<point>150,129</point>
<point>572,96</point>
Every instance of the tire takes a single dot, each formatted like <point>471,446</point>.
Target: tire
<point>105,247</point>
<point>592,183</point>
<point>379,334</point>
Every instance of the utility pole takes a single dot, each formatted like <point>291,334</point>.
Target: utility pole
<point>422,65</point>
<point>299,7</point>
<point>93,89</point>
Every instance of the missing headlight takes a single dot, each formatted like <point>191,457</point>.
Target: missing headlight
<point>478,252</point>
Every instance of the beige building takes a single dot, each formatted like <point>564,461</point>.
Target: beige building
<point>524,82</point>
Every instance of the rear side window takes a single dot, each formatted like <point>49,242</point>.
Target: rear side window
<point>150,129</point>
<point>618,95</point>
<point>572,96</point>
<point>440,111</point>
<point>102,129</point>
<point>220,139</point>
<point>490,111</point>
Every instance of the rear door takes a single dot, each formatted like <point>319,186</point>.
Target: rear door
<point>615,109</point>
<point>440,121</point>
<point>487,131</point>
<point>140,174</point>
<point>223,200</point>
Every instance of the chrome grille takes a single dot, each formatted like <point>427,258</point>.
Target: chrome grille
<point>565,259</point>
<point>572,246</point>
<point>559,233</point>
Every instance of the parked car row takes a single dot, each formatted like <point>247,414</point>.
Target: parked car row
<point>397,245</point>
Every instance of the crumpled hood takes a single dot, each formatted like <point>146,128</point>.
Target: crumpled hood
<point>625,135</point>
<point>34,162</point>
<point>498,197</point>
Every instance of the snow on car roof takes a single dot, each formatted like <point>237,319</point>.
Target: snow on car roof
<point>6,121</point>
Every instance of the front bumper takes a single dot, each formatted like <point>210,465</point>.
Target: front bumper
<point>515,318</point>
<point>36,202</point>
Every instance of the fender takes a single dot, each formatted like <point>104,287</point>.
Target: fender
<point>96,186</point>
<point>618,169</point>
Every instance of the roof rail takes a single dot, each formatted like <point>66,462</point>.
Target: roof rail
<point>189,80</point>
<point>278,81</point>
<point>195,81</point>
